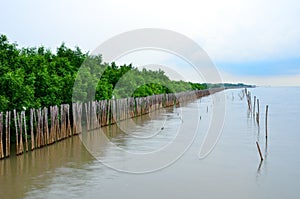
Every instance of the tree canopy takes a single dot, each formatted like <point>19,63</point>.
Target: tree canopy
<point>36,77</point>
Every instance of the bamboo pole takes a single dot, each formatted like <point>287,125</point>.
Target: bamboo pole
<point>87,116</point>
<point>1,136</point>
<point>21,133</point>
<point>267,109</point>
<point>16,129</point>
<point>257,114</point>
<point>79,117</point>
<point>51,125</point>
<point>65,120</point>
<point>25,130</point>
<point>248,95</point>
<point>42,128</point>
<point>46,127</point>
<point>55,133</point>
<point>38,129</point>
<point>7,134</point>
<point>31,129</point>
<point>9,121</point>
<point>74,118</point>
<point>61,121</point>
<point>259,151</point>
<point>55,124</point>
<point>69,130</point>
<point>254,106</point>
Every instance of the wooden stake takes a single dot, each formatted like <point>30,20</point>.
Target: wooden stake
<point>257,114</point>
<point>69,130</point>
<point>254,106</point>
<point>1,136</point>
<point>7,134</point>
<point>31,129</point>
<point>16,129</point>
<point>46,129</point>
<point>9,120</point>
<point>259,151</point>
<point>267,109</point>
<point>25,130</point>
<point>21,133</point>
<point>87,117</point>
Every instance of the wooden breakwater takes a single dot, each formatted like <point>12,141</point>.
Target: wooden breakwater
<point>36,128</point>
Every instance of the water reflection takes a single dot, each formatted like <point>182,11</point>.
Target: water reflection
<point>17,172</point>
<point>69,161</point>
<point>232,170</point>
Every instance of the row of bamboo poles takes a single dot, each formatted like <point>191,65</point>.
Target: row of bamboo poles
<point>37,128</point>
<point>255,111</point>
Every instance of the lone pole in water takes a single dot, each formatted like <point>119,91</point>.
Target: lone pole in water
<point>267,109</point>
<point>259,151</point>
<point>254,106</point>
<point>257,114</point>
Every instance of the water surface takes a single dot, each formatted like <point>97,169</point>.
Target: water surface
<point>232,170</point>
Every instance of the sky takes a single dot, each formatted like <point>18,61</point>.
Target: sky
<point>255,42</point>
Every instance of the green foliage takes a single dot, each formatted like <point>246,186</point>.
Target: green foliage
<point>36,77</point>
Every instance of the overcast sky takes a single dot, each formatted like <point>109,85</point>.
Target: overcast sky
<point>249,41</point>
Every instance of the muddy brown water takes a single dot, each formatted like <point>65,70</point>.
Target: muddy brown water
<point>232,170</point>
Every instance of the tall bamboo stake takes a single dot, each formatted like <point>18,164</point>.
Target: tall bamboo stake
<point>20,121</point>
<point>87,116</point>
<point>52,132</point>
<point>1,136</point>
<point>69,130</point>
<point>16,129</point>
<point>254,106</point>
<point>257,114</point>
<point>62,133</point>
<point>25,130</point>
<point>267,109</point>
<point>46,129</point>
<point>38,128</point>
<point>7,134</point>
<point>74,118</point>
<point>31,129</point>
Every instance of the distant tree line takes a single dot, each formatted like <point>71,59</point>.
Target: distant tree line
<point>36,77</point>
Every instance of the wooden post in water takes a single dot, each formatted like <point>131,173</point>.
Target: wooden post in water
<point>42,127</point>
<point>69,130</point>
<point>257,114</point>
<point>62,127</point>
<point>31,129</point>
<point>25,130</point>
<point>46,127</point>
<point>87,116</point>
<point>267,109</point>
<point>56,130</point>
<point>248,95</point>
<point>74,110</point>
<point>7,133</point>
<point>38,129</point>
<point>1,136</point>
<point>16,129</point>
<point>254,106</point>
<point>79,122</point>
<point>21,133</point>
<point>259,151</point>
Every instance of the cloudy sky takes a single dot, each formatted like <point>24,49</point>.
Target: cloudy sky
<point>255,41</point>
